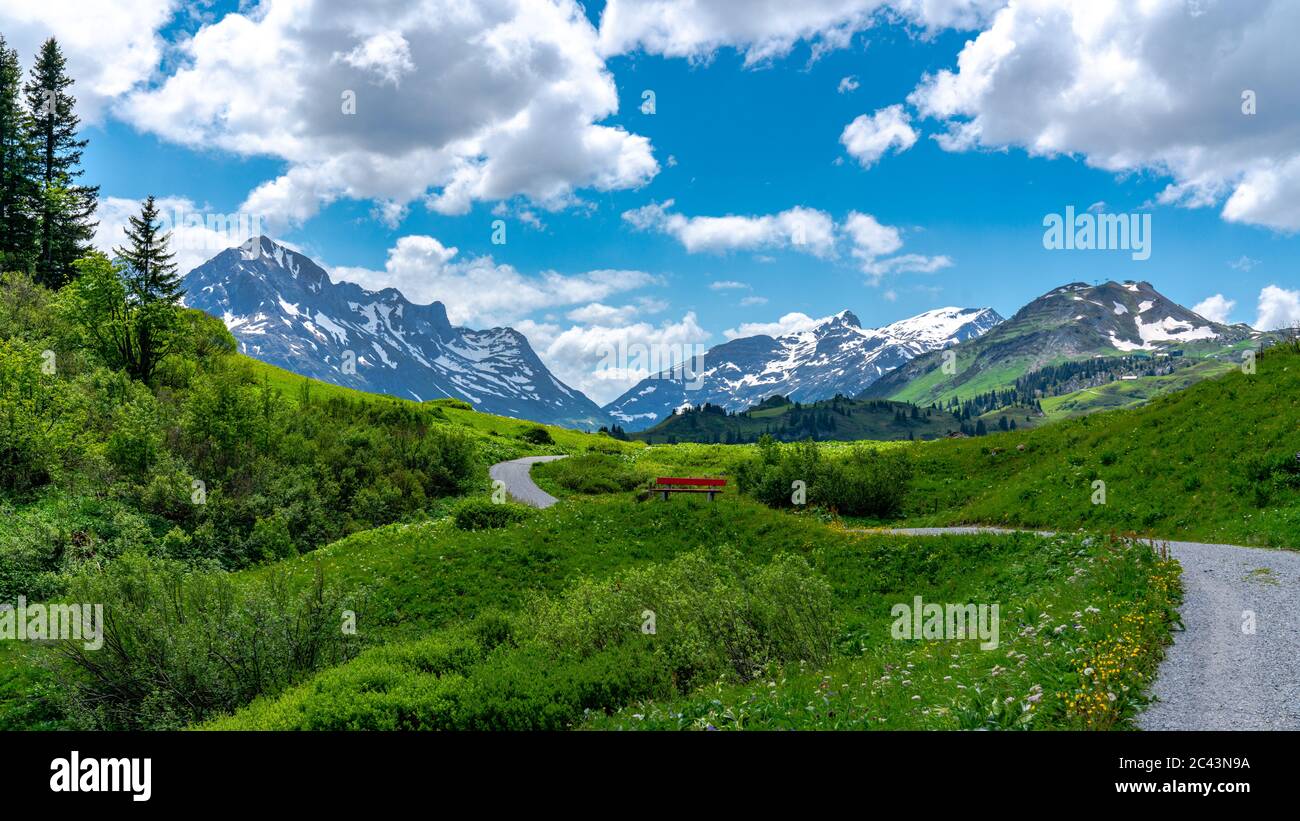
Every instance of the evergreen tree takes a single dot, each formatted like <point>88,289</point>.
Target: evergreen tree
<point>152,274</point>
<point>66,209</point>
<point>19,195</point>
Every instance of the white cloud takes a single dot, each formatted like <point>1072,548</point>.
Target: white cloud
<point>480,291</point>
<point>1278,308</point>
<point>454,103</point>
<point>790,323</point>
<point>870,238</point>
<point>764,29</point>
<point>727,285</point>
<point>1108,81</point>
<point>848,84</point>
<point>801,229</point>
<point>604,361</point>
<point>197,234</point>
<point>1243,263</point>
<point>1216,308</point>
<point>110,48</point>
<point>750,301</point>
<point>804,229</point>
<point>867,138</point>
<point>907,263</point>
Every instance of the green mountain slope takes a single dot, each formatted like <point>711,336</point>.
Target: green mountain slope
<point>1076,322</point>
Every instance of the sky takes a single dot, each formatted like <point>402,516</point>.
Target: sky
<point>682,172</point>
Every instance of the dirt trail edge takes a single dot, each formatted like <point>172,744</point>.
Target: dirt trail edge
<point>1219,675</point>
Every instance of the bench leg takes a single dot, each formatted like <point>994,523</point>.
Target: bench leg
<point>710,496</point>
<point>663,495</point>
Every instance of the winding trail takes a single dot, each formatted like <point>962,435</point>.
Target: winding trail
<point>1217,675</point>
<point>519,484</point>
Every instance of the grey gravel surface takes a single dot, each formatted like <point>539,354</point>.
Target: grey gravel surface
<point>519,484</point>
<point>1218,675</point>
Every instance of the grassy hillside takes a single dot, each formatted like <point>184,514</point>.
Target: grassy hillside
<point>1217,462</point>
<point>516,672</point>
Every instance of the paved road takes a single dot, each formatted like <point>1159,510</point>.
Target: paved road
<point>519,484</point>
<point>1218,676</point>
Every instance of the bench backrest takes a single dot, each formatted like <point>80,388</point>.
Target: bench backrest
<point>691,482</point>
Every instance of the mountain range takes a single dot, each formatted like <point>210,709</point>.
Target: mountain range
<point>835,356</point>
<point>282,308</point>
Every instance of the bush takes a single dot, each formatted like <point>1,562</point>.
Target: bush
<point>868,482</point>
<point>483,514</point>
<point>714,616</point>
<point>594,473</point>
<point>537,435</point>
<point>181,645</point>
<point>586,650</point>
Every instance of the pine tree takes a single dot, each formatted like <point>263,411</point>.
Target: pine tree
<point>152,275</point>
<point>153,290</point>
<point>19,194</point>
<point>66,209</point>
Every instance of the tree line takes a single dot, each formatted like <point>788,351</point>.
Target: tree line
<point>127,303</point>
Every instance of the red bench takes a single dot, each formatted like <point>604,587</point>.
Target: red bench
<point>664,486</point>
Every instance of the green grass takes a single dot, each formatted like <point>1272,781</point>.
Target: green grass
<point>1082,627</point>
<point>426,681</point>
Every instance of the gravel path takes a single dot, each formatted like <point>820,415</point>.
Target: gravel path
<point>1218,676</point>
<point>519,484</point>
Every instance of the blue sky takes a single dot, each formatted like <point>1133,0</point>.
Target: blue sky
<point>748,122</point>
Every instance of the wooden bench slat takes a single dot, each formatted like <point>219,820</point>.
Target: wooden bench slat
<point>691,482</point>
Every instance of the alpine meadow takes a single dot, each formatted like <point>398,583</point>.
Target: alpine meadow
<point>496,366</point>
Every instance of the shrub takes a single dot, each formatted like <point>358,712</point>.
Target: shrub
<point>537,435</point>
<point>594,473</point>
<point>714,616</point>
<point>483,514</point>
<point>868,482</point>
<point>182,645</point>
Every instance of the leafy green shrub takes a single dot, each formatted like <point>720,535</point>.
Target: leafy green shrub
<point>537,435</point>
<point>594,473</point>
<point>714,616</point>
<point>181,645</point>
<point>867,482</point>
<point>483,514</point>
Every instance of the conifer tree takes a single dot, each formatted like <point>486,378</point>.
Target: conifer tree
<point>65,209</point>
<point>19,193</point>
<point>152,276</point>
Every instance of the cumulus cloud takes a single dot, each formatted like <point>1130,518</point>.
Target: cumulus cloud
<point>868,137</point>
<point>766,29</point>
<point>605,359</point>
<point>801,229</point>
<point>454,103</point>
<point>804,229</point>
<point>1278,308</point>
<point>110,50</point>
<point>750,301</point>
<point>1216,308</point>
<point>848,84</point>
<point>197,233</point>
<point>480,291</point>
<point>1243,263</point>
<point>1109,82</point>
<point>791,323</point>
<point>727,285</point>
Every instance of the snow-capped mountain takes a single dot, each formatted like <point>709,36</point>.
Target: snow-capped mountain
<point>1075,321</point>
<point>837,355</point>
<point>283,309</point>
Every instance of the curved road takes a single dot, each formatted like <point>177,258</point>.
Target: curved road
<point>519,485</point>
<point>1219,675</point>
